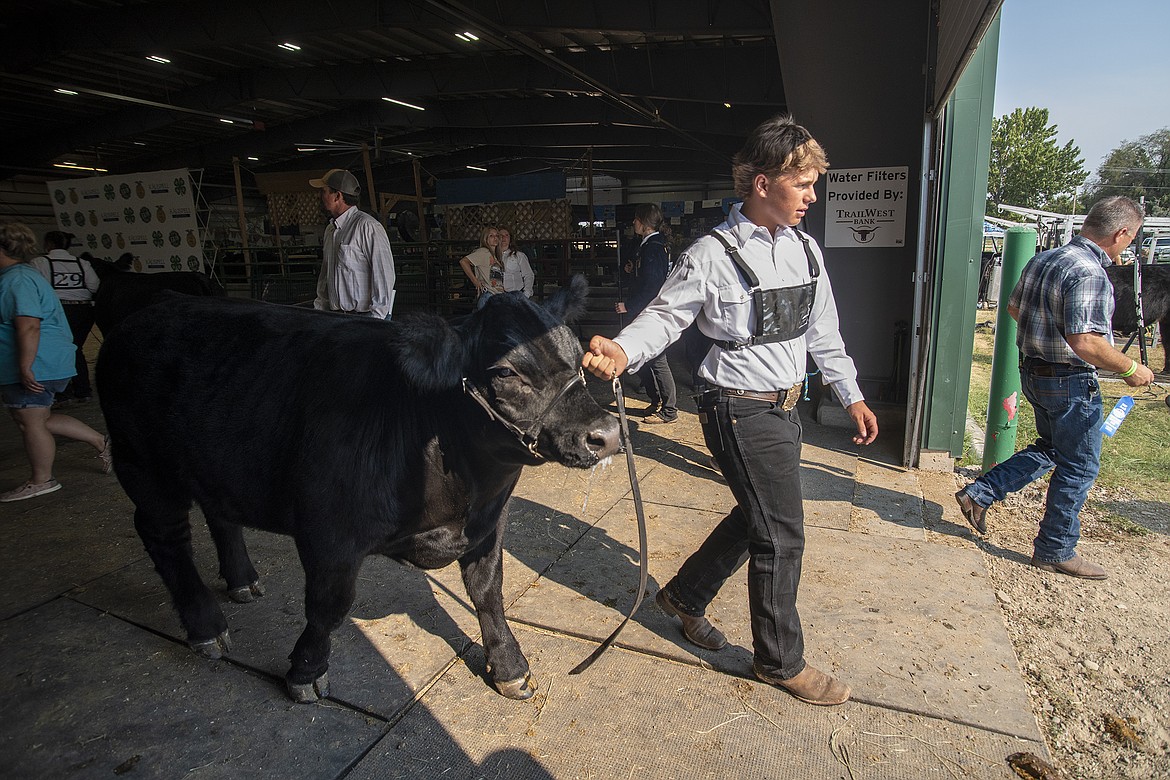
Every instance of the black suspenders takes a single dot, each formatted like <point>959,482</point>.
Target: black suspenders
<point>781,314</point>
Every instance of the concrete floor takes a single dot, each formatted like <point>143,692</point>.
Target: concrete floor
<point>895,599</point>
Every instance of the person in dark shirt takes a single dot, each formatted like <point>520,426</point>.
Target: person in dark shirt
<point>648,271</point>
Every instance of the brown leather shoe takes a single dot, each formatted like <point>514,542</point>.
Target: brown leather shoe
<point>696,629</point>
<point>811,685</point>
<point>658,419</point>
<point>1075,566</point>
<point>975,515</point>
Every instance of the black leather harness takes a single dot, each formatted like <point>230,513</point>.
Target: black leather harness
<point>782,314</point>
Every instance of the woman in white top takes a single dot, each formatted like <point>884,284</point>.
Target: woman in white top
<point>483,266</point>
<point>518,276</point>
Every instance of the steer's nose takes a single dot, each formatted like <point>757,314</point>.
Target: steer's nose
<point>604,439</point>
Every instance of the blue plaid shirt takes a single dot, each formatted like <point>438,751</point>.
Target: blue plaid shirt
<point>1061,291</point>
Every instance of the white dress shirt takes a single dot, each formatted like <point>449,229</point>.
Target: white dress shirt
<point>72,278</point>
<point>518,272</point>
<point>357,268</point>
<point>704,286</point>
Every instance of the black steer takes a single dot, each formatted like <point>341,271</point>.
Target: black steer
<point>352,435</point>
<point>122,292</point>
<point>1155,301</point>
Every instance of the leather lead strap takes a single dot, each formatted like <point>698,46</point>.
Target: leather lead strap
<point>640,512</point>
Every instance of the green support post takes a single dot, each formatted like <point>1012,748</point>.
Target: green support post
<point>1004,398</point>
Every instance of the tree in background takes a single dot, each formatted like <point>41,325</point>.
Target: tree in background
<point>1135,169</point>
<point>1028,168</point>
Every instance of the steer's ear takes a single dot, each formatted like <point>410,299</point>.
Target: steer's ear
<point>430,353</point>
<point>568,303</point>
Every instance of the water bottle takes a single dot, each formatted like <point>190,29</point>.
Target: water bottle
<point>1117,416</point>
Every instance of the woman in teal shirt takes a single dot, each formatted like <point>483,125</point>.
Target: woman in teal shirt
<point>36,363</point>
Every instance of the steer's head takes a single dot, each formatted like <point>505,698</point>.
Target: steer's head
<point>523,365</point>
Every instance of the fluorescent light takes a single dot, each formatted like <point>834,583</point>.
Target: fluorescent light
<point>76,167</point>
<point>462,37</point>
<point>471,36</point>
<point>139,143</point>
<point>226,121</point>
<point>330,141</point>
<point>255,159</point>
<point>727,105</point>
<point>404,103</point>
<point>476,168</point>
<point>156,58</point>
<point>65,92</point>
<point>289,46</point>
<point>306,148</point>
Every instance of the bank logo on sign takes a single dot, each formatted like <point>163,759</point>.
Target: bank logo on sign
<point>864,235</point>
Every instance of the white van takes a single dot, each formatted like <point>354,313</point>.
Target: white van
<point>1156,249</point>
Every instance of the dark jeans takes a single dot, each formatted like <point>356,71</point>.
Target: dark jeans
<point>659,384</point>
<point>757,445</point>
<point>80,319</point>
<point>1068,443</point>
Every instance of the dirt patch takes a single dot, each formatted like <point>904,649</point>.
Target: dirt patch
<point>1095,655</point>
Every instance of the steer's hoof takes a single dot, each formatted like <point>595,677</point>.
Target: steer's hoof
<point>520,688</point>
<point>246,593</point>
<point>308,693</point>
<point>213,649</point>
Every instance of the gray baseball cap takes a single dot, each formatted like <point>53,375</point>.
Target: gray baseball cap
<point>338,179</point>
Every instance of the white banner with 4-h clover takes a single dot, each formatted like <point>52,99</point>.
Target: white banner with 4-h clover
<point>150,215</point>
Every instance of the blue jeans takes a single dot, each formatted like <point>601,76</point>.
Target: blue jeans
<point>1068,427</point>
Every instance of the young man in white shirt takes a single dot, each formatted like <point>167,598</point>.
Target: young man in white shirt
<point>754,372</point>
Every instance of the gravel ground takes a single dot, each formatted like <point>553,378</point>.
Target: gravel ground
<point>1095,655</point>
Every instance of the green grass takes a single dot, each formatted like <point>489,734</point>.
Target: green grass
<point>1136,458</point>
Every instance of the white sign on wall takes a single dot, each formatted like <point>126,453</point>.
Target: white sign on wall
<point>151,215</point>
<point>866,206</point>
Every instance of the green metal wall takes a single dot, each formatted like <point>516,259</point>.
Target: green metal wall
<point>962,196</point>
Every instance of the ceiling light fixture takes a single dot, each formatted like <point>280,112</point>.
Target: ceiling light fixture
<point>254,159</point>
<point>76,167</point>
<point>140,143</point>
<point>227,121</point>
<point>476,168</point>
<point>65,92</point>
<point>158,59</point>
<point>306,148</point>
<point>26,79</point>
<point>467,36</point>
<point>289,46</point>
<point>404,103</point>
<point>727,105</point>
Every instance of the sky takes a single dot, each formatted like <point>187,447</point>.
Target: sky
<point>1100,67</point>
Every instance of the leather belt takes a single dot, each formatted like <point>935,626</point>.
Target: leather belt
<point>1044,368</point>
<point>786,398</point>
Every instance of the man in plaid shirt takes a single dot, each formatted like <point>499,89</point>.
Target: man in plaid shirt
<point>1064,306</point>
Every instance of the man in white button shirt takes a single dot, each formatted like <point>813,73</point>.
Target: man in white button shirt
<point>756,263</point>
<point>357,267</point>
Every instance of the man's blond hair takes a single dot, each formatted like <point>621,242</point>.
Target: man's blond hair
<point>777,147</point>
